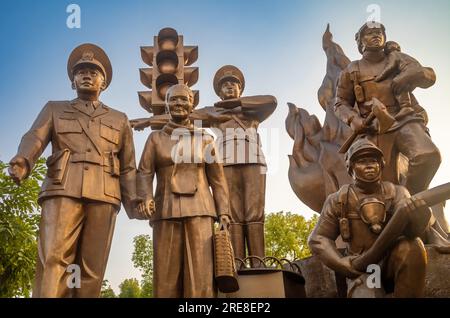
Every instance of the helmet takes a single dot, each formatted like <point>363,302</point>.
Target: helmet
<point>362,146</point>
<point>365,26</point>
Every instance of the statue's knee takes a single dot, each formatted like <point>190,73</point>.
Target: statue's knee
<point>431,158</point>
<point>53,259</point>
<point>409,250</point>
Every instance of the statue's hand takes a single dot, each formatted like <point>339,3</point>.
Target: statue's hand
<point>229,103</point>
<point>224,221</point>
<point>413,204</point>
<point>146,209</point>
<point>18,169</point>
<point>347,268</point>
<point>140,124</point>
<point>357,124</point>
<point>218,117</point>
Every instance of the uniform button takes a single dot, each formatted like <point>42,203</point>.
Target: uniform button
<point>88,150</point>
<point>86,168</point>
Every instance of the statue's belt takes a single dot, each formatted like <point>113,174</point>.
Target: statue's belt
<point>104,160</point>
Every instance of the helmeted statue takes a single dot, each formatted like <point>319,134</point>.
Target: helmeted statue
<point>361,81</point>
<point>380,224</point>
<point>383,79</point>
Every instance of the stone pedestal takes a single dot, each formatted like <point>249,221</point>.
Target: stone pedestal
<point>437,280</point>
<point>320,281</point>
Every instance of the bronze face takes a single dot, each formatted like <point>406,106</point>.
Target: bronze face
<point>373,39</point>
<point>366,168</point>
<point>179,102</point>
<point>88,81</point>
<point>229,90</point>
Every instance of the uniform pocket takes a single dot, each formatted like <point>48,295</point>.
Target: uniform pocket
<point>110,131</point>
<point>112,185</point>
<point>68,125</point>
<point>57,165</point>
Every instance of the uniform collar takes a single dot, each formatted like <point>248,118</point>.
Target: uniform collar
<point>80,105</point>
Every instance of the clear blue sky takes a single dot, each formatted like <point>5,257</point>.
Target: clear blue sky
<point>277,44</point>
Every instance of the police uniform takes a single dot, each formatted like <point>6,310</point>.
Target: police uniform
<point>244,163</point>
<point>90,172</point>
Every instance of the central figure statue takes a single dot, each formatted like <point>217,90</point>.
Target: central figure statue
<point>183,210</point>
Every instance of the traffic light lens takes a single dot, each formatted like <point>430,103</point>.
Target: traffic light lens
<point>163,82</point>
<point>167,61</point>
<point>167,39</point>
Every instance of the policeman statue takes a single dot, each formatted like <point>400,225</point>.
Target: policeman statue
<point>235,120</point>
<point>91,170</point>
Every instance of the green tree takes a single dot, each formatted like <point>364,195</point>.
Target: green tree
<point>287,235</point>
<point>19,224</point>
<point>143,260</point>
<point>129,288</point>
<point>107,291</point>
<point>146,289</point>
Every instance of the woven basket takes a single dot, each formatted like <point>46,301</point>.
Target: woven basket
<point>224,266</point>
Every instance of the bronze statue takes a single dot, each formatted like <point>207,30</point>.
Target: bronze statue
<point>411,157</point>
<point>91,170</point>
<point>236,120</point>
<point>390,80</point>
<point>380,223</point>
<point>182,210</point>
<point>365,79</point>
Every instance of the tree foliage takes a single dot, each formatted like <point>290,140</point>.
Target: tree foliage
<point>19,223</point>
<point>130,288</point>
<point>107,291</point>
<point>143,260</point>
<point>287,235</point>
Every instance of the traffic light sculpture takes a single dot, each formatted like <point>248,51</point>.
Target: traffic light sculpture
<point>169,60</point>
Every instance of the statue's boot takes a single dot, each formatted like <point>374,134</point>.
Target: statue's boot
<point>255,241</point>
<point>238,240</point>
<point>401,222</point>
<point>439,215</point>
<point>435,239</point>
